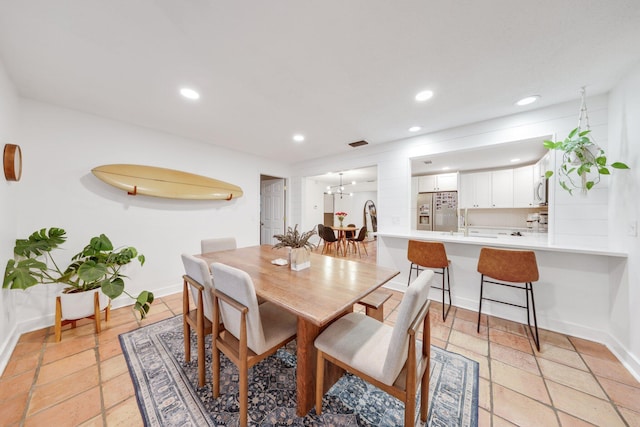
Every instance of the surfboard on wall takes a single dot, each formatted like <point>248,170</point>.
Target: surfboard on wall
<point>167,183</point>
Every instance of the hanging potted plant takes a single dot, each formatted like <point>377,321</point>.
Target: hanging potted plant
<point>299,247</point>
<point>583,161</point>
<point>96,268</point>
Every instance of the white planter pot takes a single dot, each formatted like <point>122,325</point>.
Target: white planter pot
<point>80,304</point>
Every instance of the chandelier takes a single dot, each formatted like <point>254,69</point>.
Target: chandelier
<point>339,189</point>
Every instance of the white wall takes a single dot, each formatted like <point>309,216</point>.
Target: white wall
<point>8,214</point>
<point>624,209</point>
<point>394,169</point>
<point>313,209</point>
<point>61,146</point>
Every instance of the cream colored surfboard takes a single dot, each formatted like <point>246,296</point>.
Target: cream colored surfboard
<point>168,183</point>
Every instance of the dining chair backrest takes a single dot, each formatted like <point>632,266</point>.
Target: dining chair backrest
<point>329,235</point>
<point>320,229</point>
<point>217,244</point>
<point>413,300</point>
<point>238,285</point>
<point>197,269</point>
<point>362,234</point>
<point>348,233</point>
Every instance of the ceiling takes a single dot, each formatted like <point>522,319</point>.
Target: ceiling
<point>334,71</point>
<point>365,179</point>
<point>507,155</point>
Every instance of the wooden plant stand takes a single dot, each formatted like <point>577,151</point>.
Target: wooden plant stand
<point>96,316</point>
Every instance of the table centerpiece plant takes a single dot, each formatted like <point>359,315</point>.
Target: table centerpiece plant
<point>341,216</point>
<point>97,266</point>
<point>299,246</point>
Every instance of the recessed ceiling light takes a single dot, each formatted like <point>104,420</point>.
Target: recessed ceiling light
<point>189,93</point>
<point>515,160</point>
<point>298,138</point>
<point>528,100</point>
<point>446,168</point>
<point>424,95</point>
<point>414,128</point>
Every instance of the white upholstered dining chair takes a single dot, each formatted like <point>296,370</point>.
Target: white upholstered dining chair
<point>197,279</point>
<point>217,244</point>
<point>390,358</point>
<point>249,332</point>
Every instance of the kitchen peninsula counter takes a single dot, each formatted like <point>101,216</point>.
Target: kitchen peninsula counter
<point>528,241</point>
<point>579,291</point>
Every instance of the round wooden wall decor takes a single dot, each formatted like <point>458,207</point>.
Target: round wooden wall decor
<point>12,160</point>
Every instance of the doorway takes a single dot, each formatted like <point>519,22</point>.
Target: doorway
<point>272,208</point>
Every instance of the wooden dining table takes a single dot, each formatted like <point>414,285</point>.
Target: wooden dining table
<point>342,236</point>
<point>317,295</point>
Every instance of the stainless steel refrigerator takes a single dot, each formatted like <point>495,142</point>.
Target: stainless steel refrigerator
<point>438,211</point>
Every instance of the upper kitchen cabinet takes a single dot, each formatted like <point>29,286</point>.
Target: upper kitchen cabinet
<point>502,188</point>
<point>441,182</point>
<point>475,190</point>
<point>491,189</point>
<point>523,187</point>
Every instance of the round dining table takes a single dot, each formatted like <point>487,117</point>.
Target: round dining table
<point>342,236</point>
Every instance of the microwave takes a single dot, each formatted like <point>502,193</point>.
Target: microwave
<point>541,192</point>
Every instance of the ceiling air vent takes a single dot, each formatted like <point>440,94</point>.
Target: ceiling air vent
<point>358,143</point>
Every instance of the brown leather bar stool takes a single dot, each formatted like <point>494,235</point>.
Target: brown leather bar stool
<point>431,255</point>
<point>510,266</point>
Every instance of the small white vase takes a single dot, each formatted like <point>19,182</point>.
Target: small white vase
<point>299,259</point>
<point>79,305</point>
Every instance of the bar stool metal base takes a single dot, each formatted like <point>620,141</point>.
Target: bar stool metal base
<point>418,269</point>
<point>528,288</point>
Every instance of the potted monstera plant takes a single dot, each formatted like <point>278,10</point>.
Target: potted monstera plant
<point>96,268</point>
<point>299,247</point>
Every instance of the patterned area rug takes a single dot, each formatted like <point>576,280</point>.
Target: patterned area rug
<point>168,393</point>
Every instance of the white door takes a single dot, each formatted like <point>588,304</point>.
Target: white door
<point>271,210</point>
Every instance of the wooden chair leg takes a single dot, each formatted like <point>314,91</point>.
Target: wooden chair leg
<point>200,340</point>
<point>244,392</point>
<point>185,324</point>
<point>410,405</point>
<point>58,324</point>
<point>424,393</point>
<point>319,382</point>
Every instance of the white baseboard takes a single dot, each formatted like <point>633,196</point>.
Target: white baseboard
<point>628,360</point>
<point>9,343</point>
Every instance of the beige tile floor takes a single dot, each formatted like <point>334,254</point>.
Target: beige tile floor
<point>83,380</point>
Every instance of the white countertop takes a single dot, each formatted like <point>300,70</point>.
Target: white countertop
<point>532,241</point>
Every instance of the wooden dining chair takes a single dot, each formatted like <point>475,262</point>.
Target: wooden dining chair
<point>320,230</point>
<point>330,240</point>
<point>197,279</point>
<point>389,357</point>
<point>359,240</point>
<point>249,332</point>
<point>217,244</point>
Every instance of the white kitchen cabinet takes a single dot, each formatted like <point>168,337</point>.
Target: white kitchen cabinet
<point>442,182</point>
<point>475,190</point>
<point>502,188</point>
<point>523,179</point>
